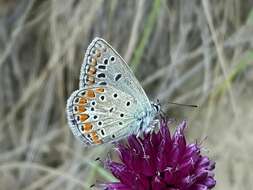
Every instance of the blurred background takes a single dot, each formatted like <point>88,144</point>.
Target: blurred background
<point>194,52</point>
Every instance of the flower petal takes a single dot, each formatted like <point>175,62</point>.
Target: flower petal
<point>121,172</point>
<point>135,145</point>
<point>186,168</point>
<point>165,133</point>
<point>148,161</point>
<point>155,139</point>
<point>125,155</point>
<point>158,184</point>
<point>159,161</point>
<point>210,182</point>
<point>116,186</point>
<point>178,137</point>
<point>192,151</point>
<point>199,187</point>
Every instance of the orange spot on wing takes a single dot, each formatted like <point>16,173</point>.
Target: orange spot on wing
<point>87,127</point>
<point>100,90</point>
<point>83,117</point>
<point>98,142</point>
<point>82,100</point>
<point>81,108</point>
<point>93,62</point>
<point>90,94</point>
<point>90,79</point>
<point>94,135</point>
<point>95,138</point>
<point>91,70</point>
<point>98,53</point>
<point>90,82</point>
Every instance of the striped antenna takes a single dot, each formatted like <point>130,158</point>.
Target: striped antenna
<point>185,105</point>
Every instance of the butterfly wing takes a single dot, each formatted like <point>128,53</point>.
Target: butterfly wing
<point>109,100</point>
<point>97,116</point>
<point>103,65</point>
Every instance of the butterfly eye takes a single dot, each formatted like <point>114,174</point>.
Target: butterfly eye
<point>76,100</point>
<point>121,115</point>
<point>100,123</point>
<point>95,117</point>
<point>120,123</point>
<point>128,103</point>
<point>113,136</point>
<point>92,109</point>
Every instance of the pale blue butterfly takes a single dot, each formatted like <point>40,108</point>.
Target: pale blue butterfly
<point>110,103</point>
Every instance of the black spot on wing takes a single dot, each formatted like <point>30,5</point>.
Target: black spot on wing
<point>118,76</point>
<point>101,75</point>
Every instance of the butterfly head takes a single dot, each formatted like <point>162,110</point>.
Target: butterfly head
<point>156,106</point>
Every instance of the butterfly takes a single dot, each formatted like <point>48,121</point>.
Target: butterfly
<point>110,103</point>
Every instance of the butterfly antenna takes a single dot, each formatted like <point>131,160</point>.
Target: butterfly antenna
<point>185,105</point>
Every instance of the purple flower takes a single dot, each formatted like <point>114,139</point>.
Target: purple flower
<point>161,161</point>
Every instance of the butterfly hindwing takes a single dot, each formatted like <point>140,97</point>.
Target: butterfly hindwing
<point>96,114</point>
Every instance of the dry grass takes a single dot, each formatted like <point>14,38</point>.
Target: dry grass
<point>197,52</point>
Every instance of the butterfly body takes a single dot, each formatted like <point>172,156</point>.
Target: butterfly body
<point>110,103</point>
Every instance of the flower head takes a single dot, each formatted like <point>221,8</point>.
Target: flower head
<point>160,161</point>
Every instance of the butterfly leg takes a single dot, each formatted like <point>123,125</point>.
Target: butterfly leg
<point>153,126</point>
<point>139,133</point>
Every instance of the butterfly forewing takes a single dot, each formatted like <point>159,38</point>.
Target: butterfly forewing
<point>109,68</point>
